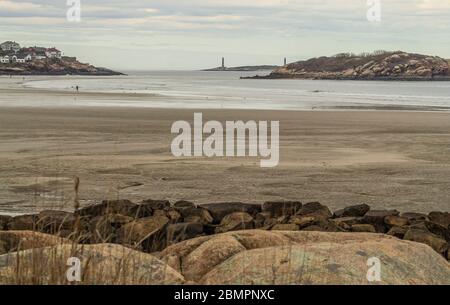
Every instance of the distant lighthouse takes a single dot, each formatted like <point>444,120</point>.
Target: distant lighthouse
<point>285,61</point>
<point>223,63</point>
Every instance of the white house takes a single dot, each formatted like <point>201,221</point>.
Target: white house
<point>4,59</point>
<point>53,53</point>
<point>10,46</point>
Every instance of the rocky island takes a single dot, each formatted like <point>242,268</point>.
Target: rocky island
<point>17,60</point>
<point>380,65</point>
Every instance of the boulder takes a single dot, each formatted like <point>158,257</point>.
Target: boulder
<point>173,215</point>
<point>103,228</point>
<point>398,232</point>
<point>345,223</point>
<point>363,228</point>
<point>352,211</point>
<point>376,218</point>
<point>182,204</point>
<point>147,207</point>
<point>103,264</point>
<point>261,218</point>
<point>4,220</point>
<point>440,218</point>
<point>199,215</point>
<point>236,221</point>
<point>11,241</point>
<point>285,227</point>
<point>396,221</point>
<point>281,208</point>
<point>156,204</point>
<point>55,222</point>
<point>179,232</point>
<point>220,210</point>
<point>315,208</point>
<point>305,221</point>
<point>415,217</point>
<point>123,207</point>
<point>23,223</point>
<point>258,257</point>
<point>144,233</point>
<point>428,238</point>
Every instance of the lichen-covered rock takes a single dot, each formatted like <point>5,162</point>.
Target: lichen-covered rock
<point>144,233</point>
<point>236,221</point>
<point>123,207</point>
<point>428,238</point>
<point>285,227</point>
<point>197,214</point>
<point>363,228</point>
<point>100,265</point>
<point>352,211</point>
<point>282,257</point>
<point>11,241</point>
<point>315,208</point>
<point>332,264</point>
<point>281,208</point>
<point>220,210</point>
<point>179,232</point>
<point>440,218</point>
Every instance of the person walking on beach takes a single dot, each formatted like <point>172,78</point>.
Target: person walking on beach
<point>77,88</point>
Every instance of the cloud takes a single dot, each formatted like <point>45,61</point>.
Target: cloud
<point>258,28</point>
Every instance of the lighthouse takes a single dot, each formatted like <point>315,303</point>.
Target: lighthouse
<point>223,63</point>
<point>285,61</point>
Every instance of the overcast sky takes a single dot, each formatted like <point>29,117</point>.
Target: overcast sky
<point>194,34</point>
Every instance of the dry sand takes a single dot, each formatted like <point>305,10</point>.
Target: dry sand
<point>398,160</point>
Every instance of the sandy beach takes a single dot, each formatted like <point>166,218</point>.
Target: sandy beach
<point>387,159</point>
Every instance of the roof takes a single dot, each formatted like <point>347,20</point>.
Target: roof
<point>53,50</point>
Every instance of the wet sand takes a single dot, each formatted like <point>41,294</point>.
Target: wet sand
<point>387,159</point>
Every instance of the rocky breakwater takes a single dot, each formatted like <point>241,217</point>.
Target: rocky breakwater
<point>188,243</point>
<point>378,66</point>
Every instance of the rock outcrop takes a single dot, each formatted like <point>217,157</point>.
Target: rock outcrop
<point>257,257</point>
<point>100,264</point>
<point>378,66</point>
<point>54,66</point>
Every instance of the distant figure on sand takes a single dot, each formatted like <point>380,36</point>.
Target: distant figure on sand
<point>77,88</point>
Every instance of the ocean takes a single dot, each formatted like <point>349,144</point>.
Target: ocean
<point>215,90</point>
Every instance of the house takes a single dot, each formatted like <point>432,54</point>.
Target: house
<point>4,59</point>
<point>10,46</point>
<point>53,53</point>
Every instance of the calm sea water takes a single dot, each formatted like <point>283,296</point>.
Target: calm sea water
<point>197,89</point>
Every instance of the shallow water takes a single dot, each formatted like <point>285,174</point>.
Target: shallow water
<point>212,90</point>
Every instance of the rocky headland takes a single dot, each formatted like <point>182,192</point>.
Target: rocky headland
<point>157,242</point>
<point>54,66</point>
<point>379,65</point>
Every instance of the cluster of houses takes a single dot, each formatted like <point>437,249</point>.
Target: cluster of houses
<point>12,52</point>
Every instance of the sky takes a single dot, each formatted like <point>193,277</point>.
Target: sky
<point>194,34</point>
